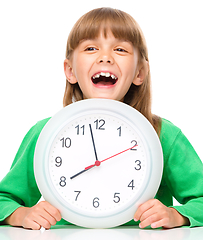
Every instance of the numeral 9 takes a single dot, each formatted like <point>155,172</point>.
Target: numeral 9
<point>58,161</point>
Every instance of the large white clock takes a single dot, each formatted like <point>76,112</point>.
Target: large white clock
<point>96,161</point>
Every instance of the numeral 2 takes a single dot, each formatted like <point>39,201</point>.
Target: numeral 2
<point>135,145</point>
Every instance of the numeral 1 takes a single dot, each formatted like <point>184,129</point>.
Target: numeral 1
<point>119,129</point>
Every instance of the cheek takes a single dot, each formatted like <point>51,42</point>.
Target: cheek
<point>128,65</point>
<point>132,70</point>
<point>77,68</point>
<point>81,66</point>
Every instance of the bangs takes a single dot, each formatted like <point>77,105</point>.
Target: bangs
<point>89,26</point>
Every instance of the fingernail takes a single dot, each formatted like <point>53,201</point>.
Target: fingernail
<point>153,225</point>
<point>135,220</point>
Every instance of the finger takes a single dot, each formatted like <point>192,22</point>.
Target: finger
<point>42,217</point>
<point>158,224</point>
<point>42,222</point>
<point>48,217</point>
<point>148,213</point>
<point>30,224</point>
<point>143,208</point>
<point>52,211</point>
<point>151,220</point>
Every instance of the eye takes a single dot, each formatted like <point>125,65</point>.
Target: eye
<point>120,50</point>
<point>90,49</point>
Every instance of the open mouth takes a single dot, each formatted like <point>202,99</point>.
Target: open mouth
<point>104,79</point>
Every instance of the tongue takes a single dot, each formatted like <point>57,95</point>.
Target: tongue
<point>104,83</point>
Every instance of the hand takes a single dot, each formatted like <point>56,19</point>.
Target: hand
<point>154,213</point>
<point>95,152</point>
<point>42,214</point>
<point>97,163</point>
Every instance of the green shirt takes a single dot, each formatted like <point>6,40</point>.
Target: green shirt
<point>182,176</point>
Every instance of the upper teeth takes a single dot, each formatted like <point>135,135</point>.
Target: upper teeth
<point>104,74</point>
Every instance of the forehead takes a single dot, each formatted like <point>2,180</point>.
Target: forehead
<point>121,25</point>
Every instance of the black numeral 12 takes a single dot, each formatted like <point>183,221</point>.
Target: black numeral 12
<point>99,124</point>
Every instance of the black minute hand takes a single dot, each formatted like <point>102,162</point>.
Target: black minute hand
<point>93,142</point>
<point>79,173</point>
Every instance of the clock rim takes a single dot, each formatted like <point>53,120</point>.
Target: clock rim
<point>59,120</point>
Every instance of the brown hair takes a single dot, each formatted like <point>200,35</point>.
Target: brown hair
<point>124,27</point>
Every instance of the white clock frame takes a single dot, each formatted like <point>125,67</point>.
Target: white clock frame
<point>75,110</point>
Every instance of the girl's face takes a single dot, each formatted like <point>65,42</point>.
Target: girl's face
<point>104,67</point>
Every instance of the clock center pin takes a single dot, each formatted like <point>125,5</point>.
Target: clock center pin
<point>97,163</point>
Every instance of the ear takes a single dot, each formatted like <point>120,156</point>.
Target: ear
<point>142,71</point>
<point>69,72</point>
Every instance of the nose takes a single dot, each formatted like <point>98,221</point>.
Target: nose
<point>105,58</point>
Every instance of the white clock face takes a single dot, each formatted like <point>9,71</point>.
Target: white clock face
<point>103,189</point>
<point>96,161</point>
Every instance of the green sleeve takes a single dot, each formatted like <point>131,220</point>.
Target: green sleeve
<point>18,188</point>
<point>183,173</point>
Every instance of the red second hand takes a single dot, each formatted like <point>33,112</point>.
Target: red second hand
<point>97,163</point>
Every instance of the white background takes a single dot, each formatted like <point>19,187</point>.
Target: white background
<point>33,37</point>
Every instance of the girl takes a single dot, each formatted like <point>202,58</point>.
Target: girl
<point>106,57</point>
